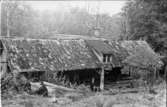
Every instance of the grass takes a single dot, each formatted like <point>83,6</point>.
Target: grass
<point>88,99</point>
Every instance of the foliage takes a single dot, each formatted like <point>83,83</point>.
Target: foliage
<point>24,21</point>
<point>20,19</point>
<point>79,22</point>
<point>147,20</point>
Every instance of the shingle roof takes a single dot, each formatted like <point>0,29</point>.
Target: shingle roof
<point>49,55</point>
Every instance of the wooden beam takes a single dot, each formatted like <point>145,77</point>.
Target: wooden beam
<point>102,79</point>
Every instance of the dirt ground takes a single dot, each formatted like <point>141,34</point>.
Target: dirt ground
<point>90,99</point>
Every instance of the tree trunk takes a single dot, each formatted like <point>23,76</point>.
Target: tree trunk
<point>8,26</point>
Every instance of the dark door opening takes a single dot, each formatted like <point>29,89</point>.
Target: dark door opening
<point>113,75</point>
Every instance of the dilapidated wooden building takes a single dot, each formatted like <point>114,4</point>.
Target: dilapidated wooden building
<point>79,59</point>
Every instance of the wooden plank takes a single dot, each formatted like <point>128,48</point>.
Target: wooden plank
<point>58,86</point>
<point>50,87</point>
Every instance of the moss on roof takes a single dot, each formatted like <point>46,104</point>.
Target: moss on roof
<point>49,55</point>
<point>134,53</point>
<point>141,55</point>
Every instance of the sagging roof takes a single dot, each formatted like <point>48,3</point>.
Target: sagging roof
<point>100,46</point>
<point>49,55</point>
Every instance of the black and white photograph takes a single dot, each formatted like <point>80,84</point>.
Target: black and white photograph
<point>83,53</point>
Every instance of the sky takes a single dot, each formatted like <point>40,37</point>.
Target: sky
<point>93,7</point>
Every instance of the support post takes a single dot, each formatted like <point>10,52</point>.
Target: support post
<point>102,79</point>
<point>165,70</point>
<point>155,74</point>
<point>129,70</point>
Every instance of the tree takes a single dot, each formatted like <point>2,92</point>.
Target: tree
<point>26,22</point>
<point>17,18</point>
<point>147,20</point>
